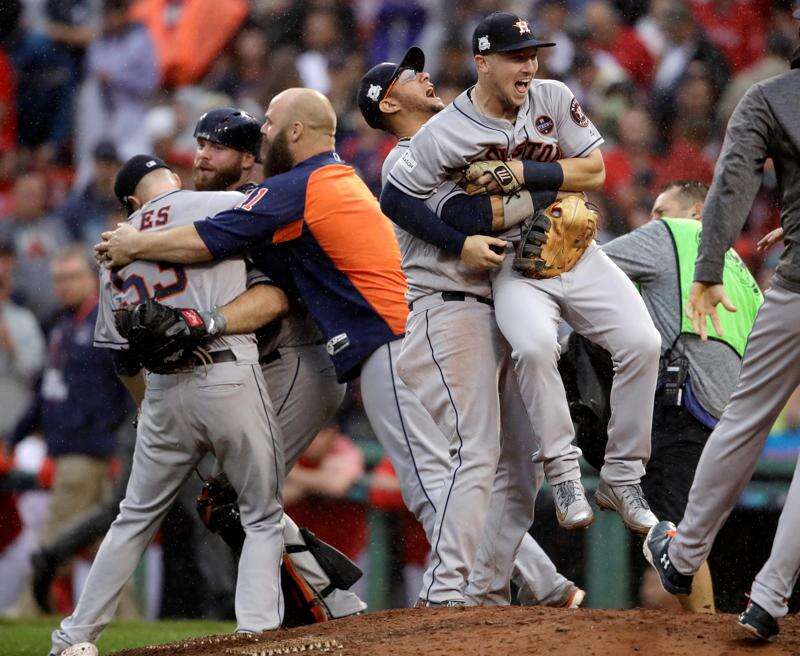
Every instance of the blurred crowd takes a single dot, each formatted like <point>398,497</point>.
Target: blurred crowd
<point>85,84</point>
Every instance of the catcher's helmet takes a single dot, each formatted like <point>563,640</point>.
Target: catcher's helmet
<point>230,127</point>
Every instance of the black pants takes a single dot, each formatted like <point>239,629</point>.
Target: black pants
<point>678,440</point>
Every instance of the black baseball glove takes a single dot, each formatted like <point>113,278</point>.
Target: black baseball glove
<point>166,339</point>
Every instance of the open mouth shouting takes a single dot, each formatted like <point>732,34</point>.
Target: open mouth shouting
<point>522,85</point>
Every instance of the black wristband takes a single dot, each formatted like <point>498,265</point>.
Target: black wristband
<point>542,175</point>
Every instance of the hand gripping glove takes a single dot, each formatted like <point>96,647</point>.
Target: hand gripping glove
<point>501,173</point>
<point>555,238</point>
<point>165,339</point>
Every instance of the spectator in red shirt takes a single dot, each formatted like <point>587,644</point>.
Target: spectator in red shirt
<point>608,34</point>
<point>8,109</point>
<point>631,164</point>
<point>736,27</point>
<point>315,492</point>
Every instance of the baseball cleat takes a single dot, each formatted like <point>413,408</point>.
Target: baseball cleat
<point>655,549</point>
<point>629,502</point>
<point>572,508</point>
<point>81,649</point>
<point>450,603</point>
<point>574,598</point>
<point>758,622</point>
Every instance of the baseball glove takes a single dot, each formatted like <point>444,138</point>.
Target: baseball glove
<point>163,339</point>
<point>500,173</point>
<point>555,238</point>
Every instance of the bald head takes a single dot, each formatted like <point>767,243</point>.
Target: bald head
<point>300,123</point>
<point>308,107</point>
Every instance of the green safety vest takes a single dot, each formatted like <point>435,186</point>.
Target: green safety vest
<point>740,286</point>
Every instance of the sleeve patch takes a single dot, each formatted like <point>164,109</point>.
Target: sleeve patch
<point>576,112</point>
<point>407,161</point>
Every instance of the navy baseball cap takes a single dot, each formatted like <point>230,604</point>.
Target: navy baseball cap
<point>504,32</point>
<point>377,80</point>
<point>131,173</point>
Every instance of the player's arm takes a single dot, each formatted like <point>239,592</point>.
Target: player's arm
<point>181,245</point>
<point>256,307</point>
<point>570,174</point>
<point>228,233</point>
<point>475,215</point>
<point>415,217</point>
<point>737,178</point>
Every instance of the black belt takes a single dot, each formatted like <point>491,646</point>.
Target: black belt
<point>273,355</point>
<point>460,296</point>
<point>226,355</point>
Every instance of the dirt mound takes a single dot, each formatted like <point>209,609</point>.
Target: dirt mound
<point>500,631</point>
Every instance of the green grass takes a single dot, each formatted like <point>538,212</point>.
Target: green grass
<point>31,637</point>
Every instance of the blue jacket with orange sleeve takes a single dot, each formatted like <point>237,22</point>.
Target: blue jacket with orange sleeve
<point>340,250</point>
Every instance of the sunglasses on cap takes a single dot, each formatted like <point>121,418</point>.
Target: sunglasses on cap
<point>406,75</point>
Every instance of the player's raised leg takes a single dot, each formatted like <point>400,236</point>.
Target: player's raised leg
<point>603,305</point>
<point>528,314</point>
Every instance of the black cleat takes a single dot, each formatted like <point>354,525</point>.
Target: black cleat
<point>758,622</point>
<point>655,551</point>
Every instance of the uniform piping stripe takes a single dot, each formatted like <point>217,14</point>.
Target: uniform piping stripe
<point>403,427</point>
<point>590,146</point>
<point>406,188</point>
<point>483,125</point>
<point>455,192</point>
<point>291,387</point>
<point>460,461</point>
<point>275,454</point>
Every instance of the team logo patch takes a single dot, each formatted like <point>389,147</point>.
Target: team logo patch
<point>576,112</point>
<point>483,43</point>
<point>407,161</point>
<point>374,92</point>
<point>522,26</point>
<point>544,124</point>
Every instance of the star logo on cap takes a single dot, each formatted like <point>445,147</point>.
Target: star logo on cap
<point>522,26</point>
<point>374,92</point>
<point>483,43</point>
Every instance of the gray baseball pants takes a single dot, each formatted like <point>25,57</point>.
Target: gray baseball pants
<point>599,301</point>
<point>770,373</point>
<point>306,395</point>
<point>225,410</point>
<point>480,492</point>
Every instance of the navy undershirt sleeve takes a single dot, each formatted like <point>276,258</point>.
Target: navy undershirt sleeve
<point>542,175</point>
<point>416,218</point>
<point>471,215</point>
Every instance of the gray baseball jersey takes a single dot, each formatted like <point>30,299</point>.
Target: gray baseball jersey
<point>183,417</point>
<point>419,450</point>
<point>428,269</point>
<point>550,125</point>
<point>213,283</point>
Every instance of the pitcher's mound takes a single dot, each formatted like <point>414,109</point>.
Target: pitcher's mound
<point>498,632</point>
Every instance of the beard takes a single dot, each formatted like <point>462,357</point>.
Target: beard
<point>218,180</point>
<point>275,155</point>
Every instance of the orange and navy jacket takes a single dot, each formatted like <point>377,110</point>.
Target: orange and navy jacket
<point>340,251</point>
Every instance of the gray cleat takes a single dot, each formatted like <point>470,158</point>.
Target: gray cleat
<point>629,502</point>
<point>572,508</point>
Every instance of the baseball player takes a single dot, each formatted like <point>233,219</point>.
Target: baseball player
<point>300,377</point>
<point>221,406</point>
<point>697,378</point>
<point>399,98</point>
<point>763,125</point>
<point>535,135</point>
